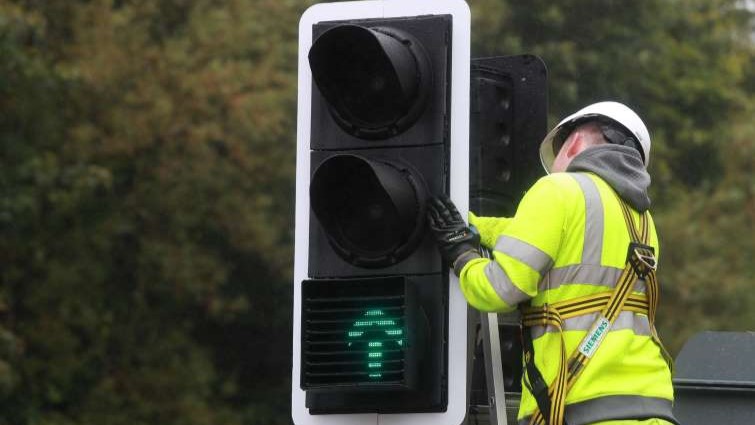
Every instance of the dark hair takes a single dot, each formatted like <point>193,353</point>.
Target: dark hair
<point>613,133</point>
<point>617,134</point>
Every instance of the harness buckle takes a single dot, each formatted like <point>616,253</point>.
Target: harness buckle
<point>642,259</point>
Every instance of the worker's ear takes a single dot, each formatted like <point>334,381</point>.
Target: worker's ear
<point>575,145</point>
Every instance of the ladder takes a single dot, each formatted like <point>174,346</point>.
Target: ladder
<point>493,368</point>
<point>495,381</point>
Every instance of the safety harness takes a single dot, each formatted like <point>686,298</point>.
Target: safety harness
<point>640,264</point>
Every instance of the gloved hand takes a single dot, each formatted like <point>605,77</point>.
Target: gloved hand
<point>457,243</point>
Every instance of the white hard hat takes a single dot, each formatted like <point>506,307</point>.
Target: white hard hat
<point>616,112</point>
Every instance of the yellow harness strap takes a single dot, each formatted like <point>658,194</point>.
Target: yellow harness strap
<point>640,264</point>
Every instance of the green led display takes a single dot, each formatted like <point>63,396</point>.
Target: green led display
<point>375,333</point>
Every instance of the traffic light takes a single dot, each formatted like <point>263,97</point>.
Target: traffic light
<point>380,326</point>
<point>508,108</point>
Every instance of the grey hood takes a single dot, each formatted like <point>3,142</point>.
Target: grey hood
<point>621,167</point>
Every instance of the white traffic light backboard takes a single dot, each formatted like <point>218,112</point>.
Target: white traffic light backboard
<point>457,130</point>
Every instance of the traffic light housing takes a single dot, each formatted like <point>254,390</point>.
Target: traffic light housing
<point>508,120</point>
<point>380,327</point>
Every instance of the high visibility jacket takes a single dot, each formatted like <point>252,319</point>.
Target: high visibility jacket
<point>569,239</point>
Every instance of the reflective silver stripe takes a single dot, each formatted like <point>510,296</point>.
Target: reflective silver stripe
<point>616,407</point>
<point>527,253</point>
<point>586,274</point>
<point>463,259</point>
<point>503,285</point>
<point>627,320</point>
<point>593,245</point>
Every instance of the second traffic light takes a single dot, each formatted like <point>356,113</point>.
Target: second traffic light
<point>508,115</point>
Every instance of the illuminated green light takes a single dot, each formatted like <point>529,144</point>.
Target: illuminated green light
<point>370,335</point>
<point>383,322</point>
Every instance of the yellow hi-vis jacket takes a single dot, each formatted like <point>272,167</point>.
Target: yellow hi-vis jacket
<point>569,239</point>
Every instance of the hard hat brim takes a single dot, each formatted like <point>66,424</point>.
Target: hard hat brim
<point>547,156</point>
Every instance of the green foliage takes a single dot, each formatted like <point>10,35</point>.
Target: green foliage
<point>147,152</point>
<point>147,181</point>
<point>708,248</point>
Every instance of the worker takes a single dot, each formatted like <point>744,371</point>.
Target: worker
<point>578,259</point>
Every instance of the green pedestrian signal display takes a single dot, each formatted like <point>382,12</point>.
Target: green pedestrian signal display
<point>379,337</point>
<point>361,334</point>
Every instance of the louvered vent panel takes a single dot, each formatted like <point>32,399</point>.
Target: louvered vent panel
<point>358,333</point>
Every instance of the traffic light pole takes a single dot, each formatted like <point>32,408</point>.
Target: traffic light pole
<point>508,109</point>
<point>492,356</point>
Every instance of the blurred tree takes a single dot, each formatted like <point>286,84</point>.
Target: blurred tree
<point>147,183</point>
<point>708,247</point>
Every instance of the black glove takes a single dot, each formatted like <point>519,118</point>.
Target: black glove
<point>457,243</point>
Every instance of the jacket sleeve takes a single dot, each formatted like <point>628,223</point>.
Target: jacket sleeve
<point>524,251</point>
<point>489,228</point>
